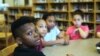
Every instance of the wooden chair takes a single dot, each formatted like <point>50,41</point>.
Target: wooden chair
<point>8,51</point>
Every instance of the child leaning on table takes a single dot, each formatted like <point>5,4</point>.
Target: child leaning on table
<point>54,35</point>
<point>77,31</point>
<point>25,34</point>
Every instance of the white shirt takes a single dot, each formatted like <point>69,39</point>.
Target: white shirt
<point>52,35</point>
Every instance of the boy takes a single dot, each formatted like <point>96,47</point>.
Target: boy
<point>25,35</point>
<point>77,31</point>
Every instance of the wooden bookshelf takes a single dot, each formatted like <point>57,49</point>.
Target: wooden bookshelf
<point>63,11</point>
<point>5,35</point>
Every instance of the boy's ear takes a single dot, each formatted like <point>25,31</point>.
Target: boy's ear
<point>18,40</point>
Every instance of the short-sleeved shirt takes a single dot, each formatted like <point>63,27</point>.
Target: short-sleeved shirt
<point>52,35</point>
<point>73,34</point>
<point>98,28</point>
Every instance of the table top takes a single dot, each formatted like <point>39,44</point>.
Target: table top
<point>3,34</point>
<point>82,47</point>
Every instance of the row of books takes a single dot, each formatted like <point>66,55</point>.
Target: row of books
<point>84,7</point>
<point>22,2</point>
<point>61,1</point>
<point>40,7</point>
<point>88,18</point>
<point>60,7</point>
<point>55,1</point>
<point>13,12</point>
<point>98,18</point>
<point>81,0</point>
<point>57,16</point>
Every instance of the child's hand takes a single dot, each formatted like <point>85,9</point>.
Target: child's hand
<point>62,41</point>
<point>76,30</point>
<point>61,35</point>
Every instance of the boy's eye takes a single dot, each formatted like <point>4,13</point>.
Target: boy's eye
<point>30,33</point>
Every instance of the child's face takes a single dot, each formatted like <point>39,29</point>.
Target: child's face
<point>77,20</point>
<point>41,27</point>
<point>28,35</point>
<point>50,22</point>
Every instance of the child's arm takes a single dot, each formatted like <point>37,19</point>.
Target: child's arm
<point>50,43</point>
<point>83,33</point>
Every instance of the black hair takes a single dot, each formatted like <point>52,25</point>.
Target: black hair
<point>46,15</point>
<point>80,12</point>
<point>19,22</point>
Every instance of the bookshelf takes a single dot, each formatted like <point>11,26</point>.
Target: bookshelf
<point>62,10</point>
<point>5,36</point>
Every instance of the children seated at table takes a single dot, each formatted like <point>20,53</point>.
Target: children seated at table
<point>51,38</point>
<point>98,31</point>
<point>77,31</point>
<point>25,34</point>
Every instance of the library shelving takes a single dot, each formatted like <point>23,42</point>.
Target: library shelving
<point>5,36</point>
<point>62,10</point>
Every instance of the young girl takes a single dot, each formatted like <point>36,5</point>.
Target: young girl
<point>77,31</point>
<point>53,32</point>
<point>41,27</point>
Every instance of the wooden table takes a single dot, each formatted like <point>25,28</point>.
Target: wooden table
<point>81,47</point>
